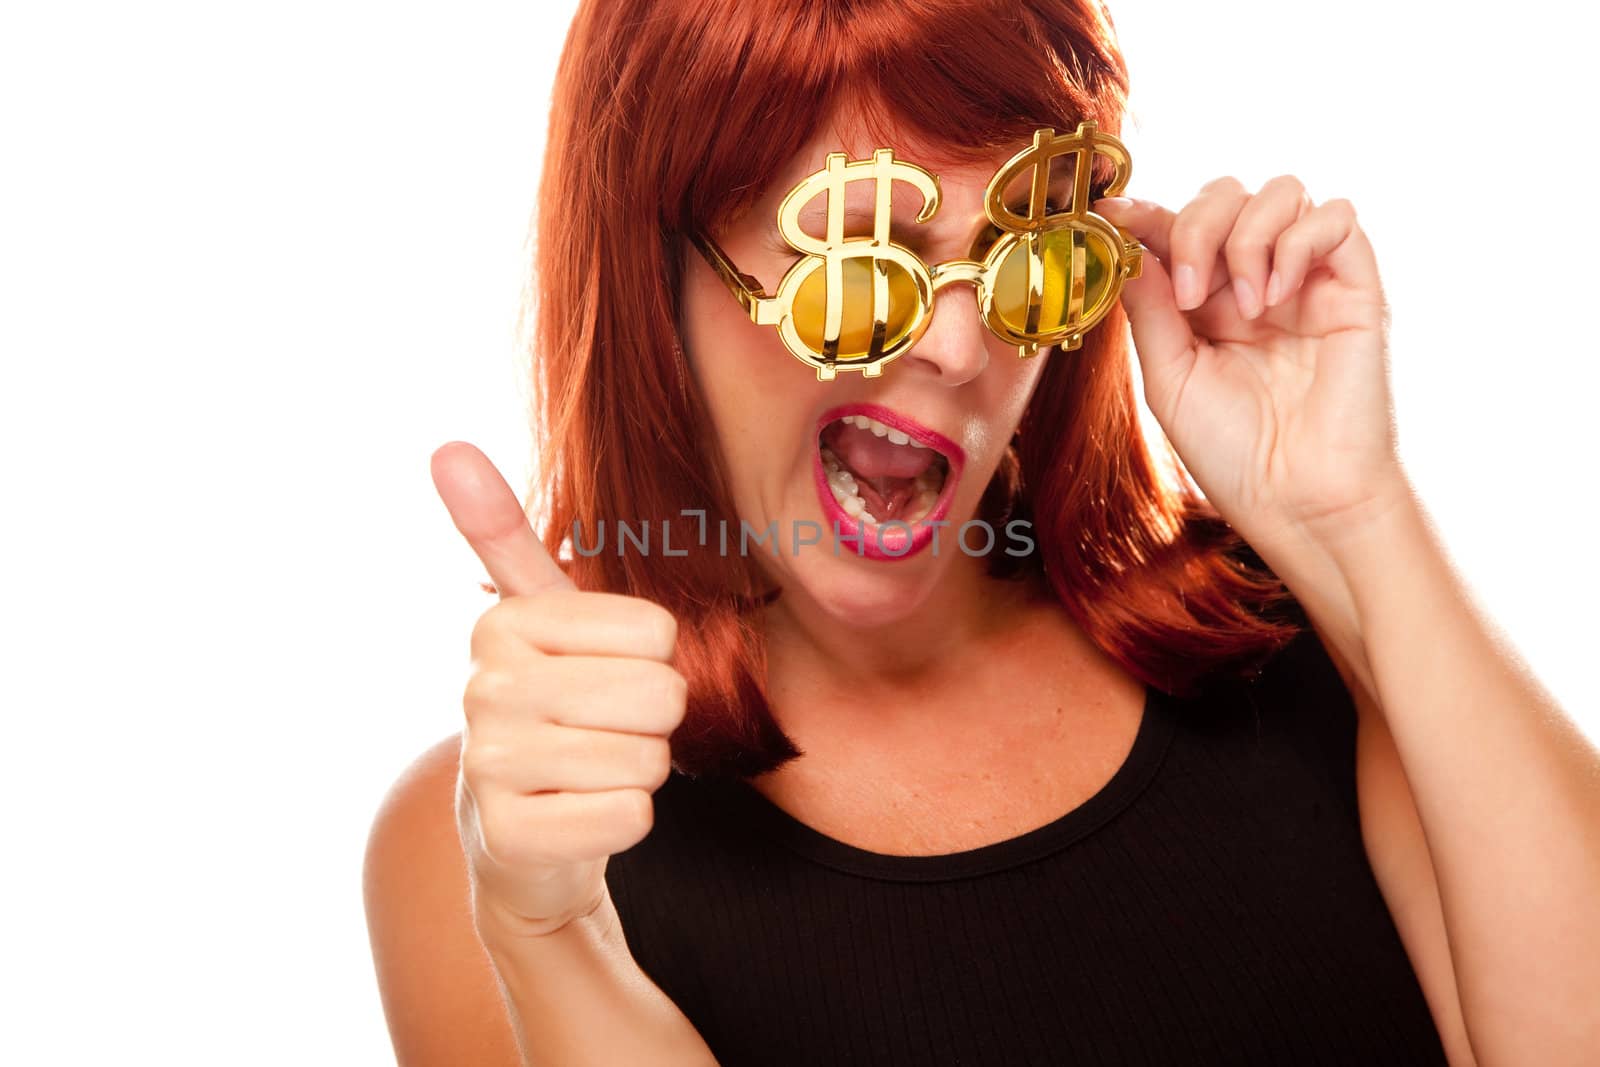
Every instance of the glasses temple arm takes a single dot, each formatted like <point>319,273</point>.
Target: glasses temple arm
<point>752,297</point>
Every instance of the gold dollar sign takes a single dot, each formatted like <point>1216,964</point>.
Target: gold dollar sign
<point>872,296</point>
<point>1061,269</point>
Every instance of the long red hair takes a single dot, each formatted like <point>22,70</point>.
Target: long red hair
<point>674,114</point>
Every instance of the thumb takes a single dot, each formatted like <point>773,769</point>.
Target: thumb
<point>489,516</point>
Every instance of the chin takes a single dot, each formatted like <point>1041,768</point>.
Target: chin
<point>865,594</point>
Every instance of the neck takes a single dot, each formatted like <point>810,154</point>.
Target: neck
<point>891,670</point>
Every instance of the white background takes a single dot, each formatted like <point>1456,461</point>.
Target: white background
<point>258,261</point>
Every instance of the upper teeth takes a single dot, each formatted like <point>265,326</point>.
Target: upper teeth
<point>898,437</point>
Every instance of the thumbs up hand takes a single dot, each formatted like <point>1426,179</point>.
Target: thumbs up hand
<point>568,708</point>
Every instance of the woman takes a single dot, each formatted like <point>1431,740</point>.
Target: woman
<point>1235,779</point>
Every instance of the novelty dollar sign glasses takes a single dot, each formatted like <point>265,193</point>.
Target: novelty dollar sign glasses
<point>855,303</point>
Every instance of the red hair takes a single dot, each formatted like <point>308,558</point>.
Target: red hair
<point>663,121</point>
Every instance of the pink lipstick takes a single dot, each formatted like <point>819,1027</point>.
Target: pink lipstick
<point>881,468</point>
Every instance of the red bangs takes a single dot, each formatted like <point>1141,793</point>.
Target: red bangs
<point>951,80</point>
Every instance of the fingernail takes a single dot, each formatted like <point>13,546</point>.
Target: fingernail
<point>1274,283</point>
<point>1115,202</point>
<point>1246,297</point>
<point>1184,286</point>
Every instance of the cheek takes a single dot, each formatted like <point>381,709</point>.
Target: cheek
<point>754,391</point>
<point>745,366</point>
<point>1025,378</point>
<point>1014,379</point>
<point>713,343</point>
<point>1009,383</point>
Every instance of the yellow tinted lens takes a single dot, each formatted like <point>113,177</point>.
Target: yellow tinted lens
<point>855,326</point>
<point>1011,280</point>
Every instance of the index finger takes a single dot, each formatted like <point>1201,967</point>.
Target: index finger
<point>1152,224</point>
<point>490,517</point>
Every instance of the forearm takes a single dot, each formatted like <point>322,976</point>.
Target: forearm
<point>1506,787</point>
<point>578,997</point>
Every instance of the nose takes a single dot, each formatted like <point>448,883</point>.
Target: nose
<point>953,348</point>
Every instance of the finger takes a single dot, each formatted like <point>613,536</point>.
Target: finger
<point>628,695</point>
<point>550,829</point>
<point>621,695</point>
<point>1196,240</point>
<point>569,622</point>
<point>1161,333</point>
<point>1152,225</point>
<point>1248,249</point>
<point>1328,231</point>
<point>544,756</point>
<point>489,516</point>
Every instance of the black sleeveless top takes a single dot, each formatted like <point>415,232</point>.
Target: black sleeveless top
<point>1212,903</point>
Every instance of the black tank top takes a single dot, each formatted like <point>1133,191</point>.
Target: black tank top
<point>1212,903</point>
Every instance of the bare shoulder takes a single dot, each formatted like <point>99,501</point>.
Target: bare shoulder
<point>440,994</point>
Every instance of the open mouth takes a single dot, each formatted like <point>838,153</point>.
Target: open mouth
<point>878,472</point>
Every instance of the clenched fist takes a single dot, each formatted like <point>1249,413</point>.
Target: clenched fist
<point>568,708</point>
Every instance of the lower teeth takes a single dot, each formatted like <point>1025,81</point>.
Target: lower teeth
<point>925,490</point>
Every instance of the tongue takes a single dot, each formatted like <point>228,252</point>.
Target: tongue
<point>883,469</point>
<point>870,456</point>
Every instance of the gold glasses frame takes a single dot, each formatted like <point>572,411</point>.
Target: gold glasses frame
<point>1122,253</point>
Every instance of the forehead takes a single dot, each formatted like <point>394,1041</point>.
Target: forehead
<point>953,164</point>
<point>964,172</point>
